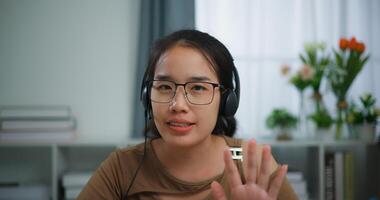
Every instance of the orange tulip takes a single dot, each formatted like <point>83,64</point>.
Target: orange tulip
<point>360,47</point>
<point>343,43</point>
<point>352,43</point>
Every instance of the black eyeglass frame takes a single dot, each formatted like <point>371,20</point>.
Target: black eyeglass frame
<point>215,85</point>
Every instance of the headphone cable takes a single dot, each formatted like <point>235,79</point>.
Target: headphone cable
<point>141,162</point>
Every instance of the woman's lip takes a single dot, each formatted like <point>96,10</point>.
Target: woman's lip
<point>179,121</point>
<point>181,129</point>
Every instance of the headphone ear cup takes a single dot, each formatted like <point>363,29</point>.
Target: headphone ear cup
<point>230,104</point>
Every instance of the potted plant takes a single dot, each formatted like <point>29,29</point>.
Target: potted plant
<point>323,122</point>
<point>355,119</point>
<point>282,122</point>
<point>363,120</point>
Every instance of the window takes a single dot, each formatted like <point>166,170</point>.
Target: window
<point>262,35</point>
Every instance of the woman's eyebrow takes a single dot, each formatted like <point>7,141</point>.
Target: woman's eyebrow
<point>193,78</point>
<point>200,78</point>
<point>163,77</point>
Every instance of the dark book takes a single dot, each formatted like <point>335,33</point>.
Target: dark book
<point>329,176</point>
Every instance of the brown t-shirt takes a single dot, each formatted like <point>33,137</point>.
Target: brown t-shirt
<point>112,178</point>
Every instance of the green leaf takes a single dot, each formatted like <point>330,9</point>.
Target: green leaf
<point>303,59</point>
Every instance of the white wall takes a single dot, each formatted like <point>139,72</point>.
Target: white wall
<point>77,53</point>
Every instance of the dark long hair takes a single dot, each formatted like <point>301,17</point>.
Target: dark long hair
<point>214,51</point>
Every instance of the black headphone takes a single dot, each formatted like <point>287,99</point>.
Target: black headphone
<point>228,105</point>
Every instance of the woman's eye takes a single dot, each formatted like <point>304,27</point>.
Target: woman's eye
<point>164,87</point>
<point>198,88</point>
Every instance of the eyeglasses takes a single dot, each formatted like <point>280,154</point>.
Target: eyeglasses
<point>198,93</point>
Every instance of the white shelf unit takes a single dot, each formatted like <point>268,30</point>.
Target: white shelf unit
<point>45,163</point>
<point>308,157</point>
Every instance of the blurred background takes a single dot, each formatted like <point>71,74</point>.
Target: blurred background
<point>90,55</point>
<point>70,76</point>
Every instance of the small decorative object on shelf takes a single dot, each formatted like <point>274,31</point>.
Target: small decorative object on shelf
<point>301,81</point>
<point>315,62</point>
<point>363,119</point>
<point>347,63</point>
<point>316,57</point>
<point>37,123</point>
<point>323,122</point>
<point>282,122</point>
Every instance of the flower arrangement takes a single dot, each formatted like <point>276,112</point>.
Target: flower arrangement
<point>315,62</point>
<point>316,57</point>
<point>340,71</point>
<point>302,79</point>
<point>283,120</point>
<point>349,61</point>
<point>347,64</point>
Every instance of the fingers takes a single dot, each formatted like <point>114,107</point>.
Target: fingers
<point>231,170</point>
<point>217,191</point>
<point>277,182</point>
<point>251,162</point>
<point>263,179</point>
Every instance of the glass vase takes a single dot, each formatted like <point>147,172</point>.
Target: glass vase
<point>318,102</point>
<point>341,126</point>
<point>322,127</point>
<point>302,118</point>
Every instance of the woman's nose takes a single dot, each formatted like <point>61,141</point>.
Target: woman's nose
<point>179,102</point>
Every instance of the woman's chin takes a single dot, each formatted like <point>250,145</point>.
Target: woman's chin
<point>184,140</point>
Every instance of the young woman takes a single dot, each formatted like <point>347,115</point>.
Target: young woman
<point>190,92</point>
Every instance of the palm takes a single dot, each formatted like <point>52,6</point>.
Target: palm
<point>249,192</point>
<point>258,186</point>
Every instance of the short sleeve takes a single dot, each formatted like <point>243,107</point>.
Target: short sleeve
<point>106,182</point>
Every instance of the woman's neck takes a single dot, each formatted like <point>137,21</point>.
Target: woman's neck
<point>195,163</point>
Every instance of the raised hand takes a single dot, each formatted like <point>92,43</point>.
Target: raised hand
<point>258,185</point>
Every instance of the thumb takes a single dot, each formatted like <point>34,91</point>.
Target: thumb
<point>217,191</point>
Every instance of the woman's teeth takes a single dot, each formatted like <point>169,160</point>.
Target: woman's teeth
<point>179,124</point>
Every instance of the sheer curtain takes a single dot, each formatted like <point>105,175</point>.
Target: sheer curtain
<point>262,35</point>
<point>157,18</point>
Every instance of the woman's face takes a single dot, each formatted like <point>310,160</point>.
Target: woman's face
<point>179,122</point>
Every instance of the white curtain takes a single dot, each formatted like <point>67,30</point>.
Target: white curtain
<point>262,35</point>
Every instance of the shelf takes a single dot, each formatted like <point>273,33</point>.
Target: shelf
<point>70,144</point>
<point>275,143</point>
<point>315,143</point>
<point>46,162</point>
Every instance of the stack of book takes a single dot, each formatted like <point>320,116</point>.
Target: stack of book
<point>339,175</point>
<point>36,123</point>
<point>25,192</point>
<point>73,183</point>
<point>298,183</point>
